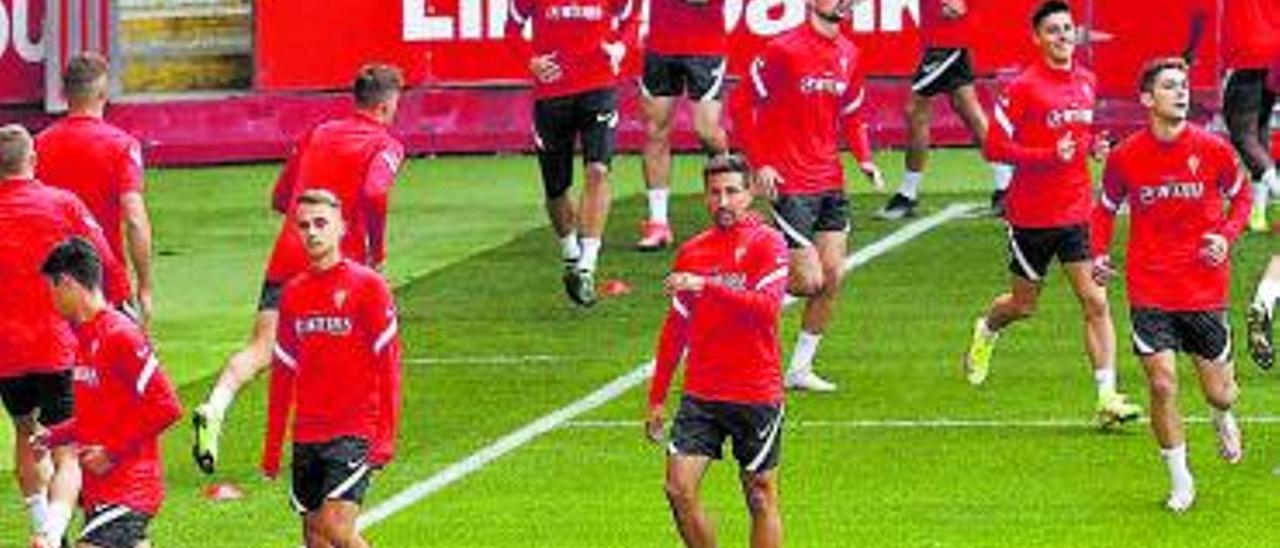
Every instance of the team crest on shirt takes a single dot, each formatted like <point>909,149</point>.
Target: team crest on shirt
<point>844,65</point>
<point>739,253</point>
<point>1193,163</point>
<point>339,298</point>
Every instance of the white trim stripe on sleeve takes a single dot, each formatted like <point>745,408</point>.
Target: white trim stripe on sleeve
<point>387,335</point>
<point>779,274</point>
<point>515,14</point>
<point>758,79</point>
<point>284,357</point>
<point>857,102</point>
<point>1107,202</point>
<point>1235,188</point>
<point>679,307</point>
<point>148,371</point>
<point>1003,120</point>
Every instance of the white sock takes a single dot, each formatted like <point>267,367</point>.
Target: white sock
<point>220,399</point>
<point>38,509</point>
<point>1175,459</point>
<point>1267,293</point>
<point>1106,380</point>
<point>911,184</point>
<point>590,253</point>
<point>658,204</point>
<point>988,333</point>
<point>1260,193</point>
<point>1002,174</point>
<point>59,519</point>
<point>1271,181</point>
<point>569,247</point>
<point>806,348</point>
<point>1222,418</point>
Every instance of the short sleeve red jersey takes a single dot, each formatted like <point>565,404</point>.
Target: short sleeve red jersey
<point>687,27</point>
<point>356,159</point>
<point>1177,193</point>
<point>35,218</point>
<point>96,161</point>
<point>123,402</point>
<point>338,346</point>
<point>796,98</point>
<point>575,31</point>
<point>730,328</point>
<point>1037,109</point>
<point>938,30</point>
<point>1250,33</point>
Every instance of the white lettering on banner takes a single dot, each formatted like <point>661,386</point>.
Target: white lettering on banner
<point>4,31</point>
<point>31,52</point>
<point>486,19</point>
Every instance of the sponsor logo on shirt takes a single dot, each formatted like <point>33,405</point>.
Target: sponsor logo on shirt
<point>326,325</point>
<point>575,11</point>
<point>1170,191</point>
<point>736,281</point>
<point>1058,118</point>
<point>827,84</point>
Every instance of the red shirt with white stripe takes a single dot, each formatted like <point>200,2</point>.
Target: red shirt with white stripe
<point>356,159</point>
<point>789,110</point>
<point>34,219</point>
<point>685,27</point>
<point>940,31</point>
<point>336,362</point>
<point>96,161</point>
<point>1035,111</point>
<point>730,328</point>
<point>124,401</point>
<point>1177,192</point>
<point>576,32</point>
<point>1250,33</point>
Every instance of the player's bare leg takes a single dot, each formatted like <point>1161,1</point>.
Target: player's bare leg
<point>50,483</point>
<point>830,249</point>
<point>1218,382</point>
<point>241,368</point>
<point>964,101</point>
<point>336,523</point>
<point>593,215</point>
<point>761,492</point>
<point>1100,343</point>
<point>656,231</point>
<point>706,123</point>
<point>1016,305</point>
<point>1166,424</point>
<point>919,116</point>
<point>1261,313</point>
<point>684,478</point>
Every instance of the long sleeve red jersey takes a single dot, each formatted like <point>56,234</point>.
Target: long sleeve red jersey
<point>124,401</point>
<point>1177,192</point>
<point>684,27</point>
<point>939,31</point>
<point>1250,33</point>
<point>356,159</point>
<point>789,110</point>
<point>35,218</point>
<point>575,31</point>
<point>96,161</point>
<point>336,362</point>
<point>730,328</point>
<point>1035,111</point>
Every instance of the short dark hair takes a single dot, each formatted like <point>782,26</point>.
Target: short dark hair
<point>77,258</point>
<point>15,148</point>
<point>1047,8</point>
<point>80,78</point>
<point>1154,67</point>
<point>319,196</point>
<point>724,163</point>
<point>376,83</point>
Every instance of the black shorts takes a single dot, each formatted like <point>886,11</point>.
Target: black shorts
<point>337,469</point>
<point>701,426</point>
<point>1204,333</point>
<point>699,76</point>
<point>114,526</point>
<point>269,298</point>
<point>1032,249</point>
<point>591,116</point>
<point>801,216</point>
<point>942,70</point>
<point>50,393</point>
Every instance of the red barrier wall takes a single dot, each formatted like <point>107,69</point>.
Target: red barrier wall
<point>21,51</point>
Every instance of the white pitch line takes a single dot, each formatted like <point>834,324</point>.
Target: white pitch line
<point>487,360</point>
<point>604,394</point>
<point>922,424</point>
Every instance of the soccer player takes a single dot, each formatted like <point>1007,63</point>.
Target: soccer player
<point>576,54</point>
<point>101,165</point>
<point>799,94</point>
<point>117,375</point>
<point>1044,127</point>
<point>1250,31</point>
<point>946,29</point>
<point>684,55</point>
<point>726,290</point>
<point>1176,177</point>
<point>355,158</point>
<point>336,370</point>
<point>37,348</point>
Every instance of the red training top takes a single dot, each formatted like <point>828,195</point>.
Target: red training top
<point>939,31</point>
<point>575,31</point>
<point>687,27</point>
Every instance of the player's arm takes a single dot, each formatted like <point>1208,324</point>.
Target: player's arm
<point>1103,220</point>
<point>1234,187</point>
<point>761,299</point>
<point>381,314</point>
<point>672,343</point>
<point>1002,144</point>
<point>137,224</point>
<point>282,192</point>
<point>133,360</point>
<point>377,190</point>
<point>284,367</point>
<point>115,279</point>
<point>855,128</point>
<point>746,100</point>
<point>626,36</point>
<point>518,31</point>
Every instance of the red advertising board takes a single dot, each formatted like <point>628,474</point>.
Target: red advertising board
<point>21,51</point>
